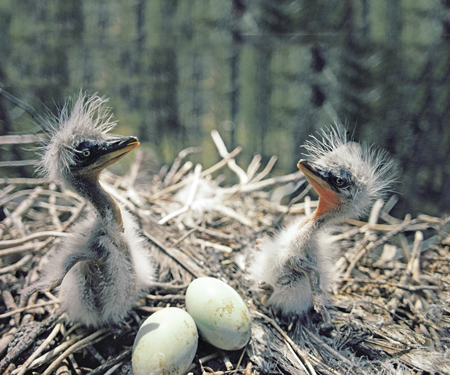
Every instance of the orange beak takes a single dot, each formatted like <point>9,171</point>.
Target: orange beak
<point>328,198</point>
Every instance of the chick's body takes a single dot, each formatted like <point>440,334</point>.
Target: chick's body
<point>291,289</point>
<point>293,268</point>
<point>103,267</point>
<point>102,291</point>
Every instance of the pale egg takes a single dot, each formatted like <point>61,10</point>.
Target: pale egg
<point>219,312</point>
<point>165,344</point>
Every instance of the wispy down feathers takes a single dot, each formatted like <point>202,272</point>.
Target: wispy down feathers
<point>371,168</point>
<point>294,266</point>
<point>104,267</point>
<point>87,118</point>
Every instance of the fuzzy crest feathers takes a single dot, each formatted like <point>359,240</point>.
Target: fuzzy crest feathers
<point>89,118</point>
<point>370,167</point>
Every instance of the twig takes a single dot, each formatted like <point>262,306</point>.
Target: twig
<point>212,232</point>
<point>206,172</point>
<point>203,360</point>
<point>176,164</point>
<point>219,247</point>
<point>27,341</point>
<point>190,198</point>
<point>17,163</point>
<point>20,249</point>
<point>271,181</point>
<point>16,265</point>
<point>75,365</point>
<point>375,212</point>
<point>167,297</point>
<point>11,305</point>
<point>295,356</point>
<point>308,205</point>
<point>22,181</point>
<point>413,225</point>
<point>74,348</point>
<point>318,341</point>
<point>404,246</point>
<point>28,307</point>
<point>218,141</point>
<point>292,202</point>
<point>414,263</point>
<point>6,339</point>
<point>253,166</point>
<point>41,245</point>
<point>233,214</point>
<point>54,352</point>
<point>185,168</point>
<point>21,209</point>
<point>21,139</point>
<point>240,359</point>
<point>226,360</point>
<point>184,236</point>
<point>372,245</point>
<point>409,288</point>
<point>8,189</point>
<point>437,341</point>
<point>289,340</point>
<point>52,209</point>
<point>411,267</point>
<point>266,170</point>
<point>35,236</point>
<point>176,257</point>
<point>22,369</point>
<point>113,369</point>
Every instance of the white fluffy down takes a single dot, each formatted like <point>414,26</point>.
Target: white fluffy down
<point>88,118</point>
<point>122,280</point>
<point>268,263</point>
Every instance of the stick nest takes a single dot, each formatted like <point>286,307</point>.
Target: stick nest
<point>389,308</point>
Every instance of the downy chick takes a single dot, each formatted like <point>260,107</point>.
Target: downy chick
<point>294,266</point>
<point>104,266</point>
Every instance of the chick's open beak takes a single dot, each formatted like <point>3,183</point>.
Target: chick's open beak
<point>329,199</point>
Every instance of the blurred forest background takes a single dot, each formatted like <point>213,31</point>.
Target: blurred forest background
<point>266,74</point>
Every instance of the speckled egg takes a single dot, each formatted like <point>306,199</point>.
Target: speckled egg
<point>219,312</point>
<point>166,342</point>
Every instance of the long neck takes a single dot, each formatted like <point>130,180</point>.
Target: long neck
<point>90,189</point>
<point>330,212</point>
<point>312,225</point>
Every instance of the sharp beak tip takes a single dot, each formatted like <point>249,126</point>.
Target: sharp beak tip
<point>130,142</point>
<point>302,163</point>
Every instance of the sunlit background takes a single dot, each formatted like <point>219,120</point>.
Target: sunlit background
<point>266,74</point>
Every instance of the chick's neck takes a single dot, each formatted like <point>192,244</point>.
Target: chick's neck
<point>313,224</point>
<point>90,189</point>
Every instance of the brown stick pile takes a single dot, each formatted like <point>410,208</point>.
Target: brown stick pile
<point>390,310</point>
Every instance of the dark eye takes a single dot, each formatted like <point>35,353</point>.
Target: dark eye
<point>339,181</point>
<point>86,153</point>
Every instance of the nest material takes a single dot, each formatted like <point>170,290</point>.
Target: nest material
<point>389,308</point>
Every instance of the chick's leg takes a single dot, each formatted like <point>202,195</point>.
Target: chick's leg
<point>266,290</point>
<point>318,296</point>
<point>54,277</point>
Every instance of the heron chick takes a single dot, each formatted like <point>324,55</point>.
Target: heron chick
<point>104,266</point>
<point>294,267</point>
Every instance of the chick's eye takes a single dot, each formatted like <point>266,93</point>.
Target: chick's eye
<point>86,153</point>
<point>338,181</point>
